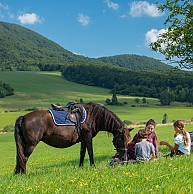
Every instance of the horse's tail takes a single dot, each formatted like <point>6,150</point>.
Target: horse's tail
<point>20,144</point>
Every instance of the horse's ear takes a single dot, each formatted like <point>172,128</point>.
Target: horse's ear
<point>130,129</point>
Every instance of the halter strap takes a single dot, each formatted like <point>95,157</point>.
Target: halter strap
<point>118,149</point>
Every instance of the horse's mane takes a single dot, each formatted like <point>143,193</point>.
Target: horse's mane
<point>102,118</point>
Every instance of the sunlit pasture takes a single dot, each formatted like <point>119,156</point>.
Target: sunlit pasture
<point>51,170</point>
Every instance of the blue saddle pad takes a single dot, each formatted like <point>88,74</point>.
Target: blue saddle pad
<point>60,117</point>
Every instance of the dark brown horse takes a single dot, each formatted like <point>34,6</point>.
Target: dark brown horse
<point>38,126</point>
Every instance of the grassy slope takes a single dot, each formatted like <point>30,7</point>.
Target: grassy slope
<point>40,89</point>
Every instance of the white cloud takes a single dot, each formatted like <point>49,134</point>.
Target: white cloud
<point>5,7</point>
<point>139,8</point>
<point>28,18</point>
<point>1,15</point>
<point>153,35</point>
<point>123,16</point>
<point>83,19</point>
<point>11,15</point>
<point>112,5</point>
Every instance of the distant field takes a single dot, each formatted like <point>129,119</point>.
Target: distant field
<point>40,89</point>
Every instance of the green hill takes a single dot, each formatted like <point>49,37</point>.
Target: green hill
<point>135,62</point>
<point>23,49</point>
<point>40,89</point>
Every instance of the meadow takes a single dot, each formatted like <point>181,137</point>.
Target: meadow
<point>52,170</point>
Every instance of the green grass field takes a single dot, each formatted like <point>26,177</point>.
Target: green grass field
<point>40,89</point>
<point>51,170</point>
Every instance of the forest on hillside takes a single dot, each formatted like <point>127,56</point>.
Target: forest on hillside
<point>136,62</point>
<point>174,85</point>
<point>22,49</point>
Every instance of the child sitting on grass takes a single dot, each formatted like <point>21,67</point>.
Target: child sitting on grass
<point>144,149</point>
<point>182,142</point>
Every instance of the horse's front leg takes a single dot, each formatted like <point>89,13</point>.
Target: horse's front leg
<point>90,151</point>
<point>82,153</point>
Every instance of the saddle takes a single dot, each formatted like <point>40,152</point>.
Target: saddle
<point>75,113</point>
<point>71,108</point>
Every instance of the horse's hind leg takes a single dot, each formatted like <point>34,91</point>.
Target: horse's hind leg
<point>27,152</point>
<point>20,145</point>
<point>18,165</point>
<point>24,146</point>
<point>22,159</point>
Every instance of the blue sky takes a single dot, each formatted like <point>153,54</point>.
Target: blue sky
<point>93,28</point>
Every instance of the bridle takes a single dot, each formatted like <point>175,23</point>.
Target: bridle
<point>121,135</point>
<point>123,156</point>
<point>115,142</point>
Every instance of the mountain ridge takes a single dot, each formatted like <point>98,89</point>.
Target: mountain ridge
<point>24,49</point>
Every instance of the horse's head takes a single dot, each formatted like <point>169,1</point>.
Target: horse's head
<point>120,142</point>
